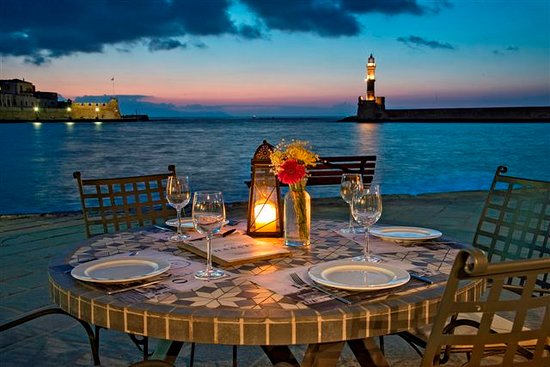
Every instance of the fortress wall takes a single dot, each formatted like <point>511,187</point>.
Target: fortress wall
<point>79,111</point>
<point>28,114</point>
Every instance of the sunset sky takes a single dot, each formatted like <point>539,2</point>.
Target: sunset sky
<point>286,57</point>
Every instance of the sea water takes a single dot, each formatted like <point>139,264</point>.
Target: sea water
<point>37,160</point>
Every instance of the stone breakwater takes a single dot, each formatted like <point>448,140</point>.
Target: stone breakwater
<point>490,114</point>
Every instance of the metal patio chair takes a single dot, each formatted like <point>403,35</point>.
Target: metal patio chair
<point>514,225</point>
<point>114,204</point>
<point>516,346</point>
<point>121,203</point>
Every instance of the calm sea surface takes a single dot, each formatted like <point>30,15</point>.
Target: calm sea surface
<point>37,161</point>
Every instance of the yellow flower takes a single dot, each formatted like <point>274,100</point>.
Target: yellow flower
<point>277,159</point>
<point>297,150</point>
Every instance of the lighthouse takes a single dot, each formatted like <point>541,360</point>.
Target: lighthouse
<point>371,107</point>
<point>370,78</point>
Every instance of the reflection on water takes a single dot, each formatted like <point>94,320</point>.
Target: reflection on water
<point>38,160</point>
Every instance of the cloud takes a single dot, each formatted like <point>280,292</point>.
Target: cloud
<point>416,41</point>
<point>251,32</point>
<point>39,31</point>
<point>165,44</point>
<point>392,7</point>
<point>323,18</point>
<point>506,50</point>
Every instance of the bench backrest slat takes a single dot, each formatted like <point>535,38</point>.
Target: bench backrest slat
<point>329,170</point>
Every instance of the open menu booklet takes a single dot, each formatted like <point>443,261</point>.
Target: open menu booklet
<point>238,248</point>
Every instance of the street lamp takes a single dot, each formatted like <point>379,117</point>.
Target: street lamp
<point>69,109</point>
<point>96,113</point>
<point>36,109</point>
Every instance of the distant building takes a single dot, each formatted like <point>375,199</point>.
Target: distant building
<point>19,100</point>
<point>17,93</point>
<point>371,107</point>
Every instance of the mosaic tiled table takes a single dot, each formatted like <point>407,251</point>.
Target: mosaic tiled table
<point>237,311</point>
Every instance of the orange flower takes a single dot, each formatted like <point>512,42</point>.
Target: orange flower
<point>291,172</point>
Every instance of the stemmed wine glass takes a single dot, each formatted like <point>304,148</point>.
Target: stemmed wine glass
<point>352,183</point>
<point>366,208</point>
<point>208,219</point>
<point>178,196</point>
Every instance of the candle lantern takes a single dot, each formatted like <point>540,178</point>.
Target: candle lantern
<point>264,204</point>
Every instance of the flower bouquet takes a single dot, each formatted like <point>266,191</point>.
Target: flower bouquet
<point>290,162</point>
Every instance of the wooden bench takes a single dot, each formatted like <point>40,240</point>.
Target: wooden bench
<point>329,170</point>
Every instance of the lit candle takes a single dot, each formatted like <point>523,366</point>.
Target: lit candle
<point>266,217</point>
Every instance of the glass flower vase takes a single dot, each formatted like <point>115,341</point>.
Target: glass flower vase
<point>297,215</point>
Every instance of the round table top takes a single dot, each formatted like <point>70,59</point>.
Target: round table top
<point>238,311</point>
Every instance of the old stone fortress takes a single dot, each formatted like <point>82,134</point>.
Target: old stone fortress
<point>19,100</point>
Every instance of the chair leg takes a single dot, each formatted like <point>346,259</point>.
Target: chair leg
<point>280,355</point>
<point>192,355</point>
<point>96,344</point>
<point>414,341</point>
<point>142,344</point>
<point>93,338</point>
<point>381,342</point>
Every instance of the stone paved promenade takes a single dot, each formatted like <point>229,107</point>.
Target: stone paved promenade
<point>27,243</point>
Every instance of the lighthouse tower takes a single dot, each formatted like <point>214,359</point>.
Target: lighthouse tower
<point>370,107</point>
<point>370,78</point>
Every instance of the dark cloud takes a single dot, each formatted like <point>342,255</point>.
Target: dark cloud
<point>40,30</point>
<point>323,18</point>
<point>506,50</point>
<point>416,41</point>
<point>165,44</point>
<point>251,32</point>
<point>199,44</point>
<point>391,7</point>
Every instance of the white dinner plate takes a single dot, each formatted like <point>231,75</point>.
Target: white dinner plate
<point>400,233</point>
<point>358,275</point>
<point>186,223</point>
<point>120,269</point>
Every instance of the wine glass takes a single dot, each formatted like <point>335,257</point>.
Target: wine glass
<point>352,183</point>
<point>208,219</point>
<point>366,208</point>
<point>178,196</point>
